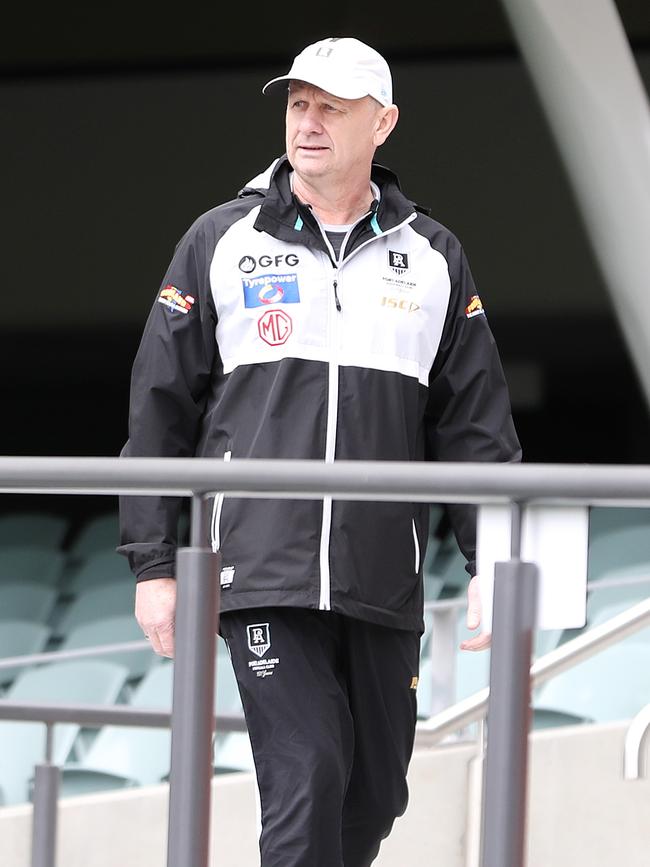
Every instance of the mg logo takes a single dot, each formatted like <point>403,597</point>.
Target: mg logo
<point>275,327</point>
<point>259,638</point>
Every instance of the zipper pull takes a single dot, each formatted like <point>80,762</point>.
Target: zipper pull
<point>336,297</point>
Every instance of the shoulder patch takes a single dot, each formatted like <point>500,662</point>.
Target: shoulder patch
<point>176,299</point>
<point>475,307</point>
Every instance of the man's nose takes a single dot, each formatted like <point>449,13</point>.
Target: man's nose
<point>310,121</point>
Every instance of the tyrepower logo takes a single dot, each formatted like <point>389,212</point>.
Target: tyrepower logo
<point>271,289</point>
<point>275,327</point>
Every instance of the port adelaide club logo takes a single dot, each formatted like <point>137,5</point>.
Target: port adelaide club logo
<point>259,643</point>
<point>398,262</point>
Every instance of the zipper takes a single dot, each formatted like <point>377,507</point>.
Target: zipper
<point>330,446</point>
<point>325,602</point>
<point>416,543</point>
<point>217,508</point>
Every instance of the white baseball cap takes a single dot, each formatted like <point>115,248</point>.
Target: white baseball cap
<point>344,67</point>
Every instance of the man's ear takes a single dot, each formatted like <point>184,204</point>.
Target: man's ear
<point>386,121</point>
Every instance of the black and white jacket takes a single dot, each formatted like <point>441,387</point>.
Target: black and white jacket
<point>261,345</point>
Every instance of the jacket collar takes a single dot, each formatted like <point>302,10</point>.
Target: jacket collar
<point>287,219</point>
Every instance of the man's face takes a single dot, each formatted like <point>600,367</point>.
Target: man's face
<point>329,136</point>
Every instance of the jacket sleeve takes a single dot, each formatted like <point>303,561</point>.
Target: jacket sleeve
<point>169,383</point>
<point>468,415</point>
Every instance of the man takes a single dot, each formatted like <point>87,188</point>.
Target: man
<point>319,315</point>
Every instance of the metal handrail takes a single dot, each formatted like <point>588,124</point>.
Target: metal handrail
<point>99,715</point>
<point>77,653</point>
<point>634,760</point>
<point>410,481</point>
<point>474,707</point>
<point>197,609</point>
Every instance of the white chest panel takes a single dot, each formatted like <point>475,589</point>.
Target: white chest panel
<point>275,300</point>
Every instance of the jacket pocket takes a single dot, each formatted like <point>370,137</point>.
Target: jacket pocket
<point>217,508</point>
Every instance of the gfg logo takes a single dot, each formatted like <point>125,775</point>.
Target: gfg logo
<point>248,264</point>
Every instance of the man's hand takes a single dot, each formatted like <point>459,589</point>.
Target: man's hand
<point>155,610</point>
<point>482,640</point>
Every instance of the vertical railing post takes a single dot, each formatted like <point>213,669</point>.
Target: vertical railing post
<point>197,613</point>
<point>513,626</point>
<point>442,650</point>
<point>45,805</point>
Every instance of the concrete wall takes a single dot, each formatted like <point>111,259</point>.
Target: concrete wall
<point>582,812</point>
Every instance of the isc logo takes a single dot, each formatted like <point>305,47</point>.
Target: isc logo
<point>399,304</point>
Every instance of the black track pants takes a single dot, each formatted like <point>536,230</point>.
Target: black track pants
<point>330,707</point>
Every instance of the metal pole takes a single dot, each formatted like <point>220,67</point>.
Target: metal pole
<point>504,805</point>
<point>442,653</point>
<point>44,814</point>
<point>197,615</point>
<point>589,85</point>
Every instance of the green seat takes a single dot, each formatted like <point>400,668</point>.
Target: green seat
<point>98,568</point>
<point>605,519</point>
<point>618,548</point>
<point>113,630</point>
<point>233,753</point>
<point>36,563</point>
<point>27,600</point>
<point>20,638</point>
<point>616,597</point>
<point>449,565</point>
<point>45,529</point>
<point>22,745</point>
<point>94,604</point>
<point>472,669</point>
<point>99,533</point>
<point>610,686</point>
<point>124,756</point>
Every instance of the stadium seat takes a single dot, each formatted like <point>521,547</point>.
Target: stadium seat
<point>27,528</point>
<point>113,630</point>
<point>604,519</point>
<point>99,533</point>
<point>95,604</point>
<point>449,565</point>
<point>22,745</point>
<point>618,548</point>
<point>100,567</point>
<point>610,686</point>
<point>616,597</point>
<point>472,669</point>
<point>27,600</point>
<point>232,753</point>
<point>20,638</point>
<point>36,563</point>
<point>123,756</point>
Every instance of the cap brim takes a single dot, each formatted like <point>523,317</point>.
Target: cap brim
<point>328,87</point>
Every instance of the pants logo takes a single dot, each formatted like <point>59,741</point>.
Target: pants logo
<point>259,638</point>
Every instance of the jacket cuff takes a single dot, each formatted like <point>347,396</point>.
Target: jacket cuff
<point>159,569</point>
